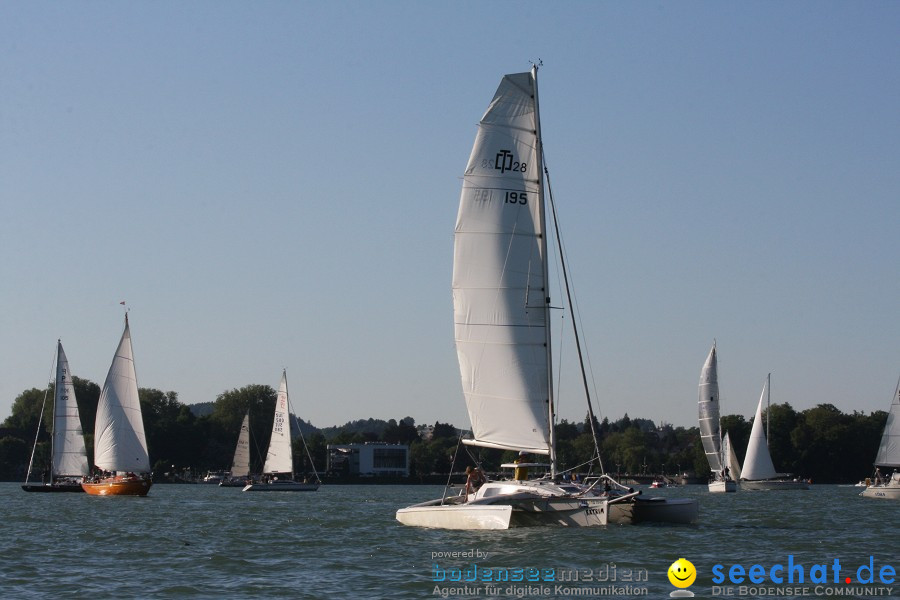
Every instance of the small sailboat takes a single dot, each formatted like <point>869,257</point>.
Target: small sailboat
<point>120,446</point>
<point>710,430</point>
<point>502,331</point>
<point>68,458</point>
<point>731,459</point>
<point>759,472</point>
<point>279,458</point>
<point>239,476</point>
<point>888,457</point>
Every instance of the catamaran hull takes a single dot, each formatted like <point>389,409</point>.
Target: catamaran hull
<point>456,517</point>
<point>520,513</point>
<point>118,487</point>
<point>52,487</point>
<point>887,492</point>
<point>281,486</point>
<point>721,487</point>
<point>773,485</point>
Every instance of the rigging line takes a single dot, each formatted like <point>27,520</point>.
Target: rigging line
<point>565,274</point>
<point>37,433</point>
<point>452,464</point>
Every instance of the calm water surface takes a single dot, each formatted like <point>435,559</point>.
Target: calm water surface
<point>200,541</point>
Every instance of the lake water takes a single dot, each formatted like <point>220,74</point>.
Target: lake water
<point>202,541</point>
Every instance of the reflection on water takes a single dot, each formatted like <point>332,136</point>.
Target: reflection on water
<point>201,541</point>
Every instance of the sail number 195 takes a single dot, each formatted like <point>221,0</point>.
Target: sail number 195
<point>516,198</point>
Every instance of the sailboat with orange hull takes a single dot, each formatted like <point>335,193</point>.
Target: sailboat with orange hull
<point>120,446</point>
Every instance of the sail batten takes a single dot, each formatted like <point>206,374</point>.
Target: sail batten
<point>500,307</point>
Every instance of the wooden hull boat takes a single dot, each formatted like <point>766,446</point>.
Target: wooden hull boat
<point>118,486</point>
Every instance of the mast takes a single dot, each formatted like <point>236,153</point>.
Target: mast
<point>768,404</point>
<point>551,417</point>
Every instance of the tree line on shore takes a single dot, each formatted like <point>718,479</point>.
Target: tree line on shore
<point>821,443</point>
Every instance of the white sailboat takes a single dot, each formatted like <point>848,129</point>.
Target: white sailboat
<point>888,457</point>
<point>68,458</point>
<point>120,446</point>
<point>731,459</point>
<point>279,458</point>
<point>759,472</point>
<point>502,330</point>
<point>240,466</point>
<point>710,431</point>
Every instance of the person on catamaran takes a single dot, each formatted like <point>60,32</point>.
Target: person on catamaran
<point>474,479</point>
<point>521,473</point>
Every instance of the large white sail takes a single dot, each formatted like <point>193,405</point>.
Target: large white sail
<point>889,449</point>
<point>731,459</point>
<point>499,296</point>
<point>758,462</point>
<point>119,441</point>
<point>708,407</point>
<point>240,466</point>
<point>69,455</point>
<point>278,458</point>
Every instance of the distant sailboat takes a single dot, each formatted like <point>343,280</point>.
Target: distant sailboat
<point>731,459</point>
<point>888,486</point>
<point>759,472</point>
<point>240,466</point>
<point>68,462</point>
<point>710,431</point>
<point>120,446</point>
<point>279,458</point>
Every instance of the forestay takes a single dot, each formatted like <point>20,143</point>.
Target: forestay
<point>499,298</point>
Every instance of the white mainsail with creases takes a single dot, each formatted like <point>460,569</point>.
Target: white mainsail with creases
<point>278,458</point>
<point>240,466</point>
<point>708,406</point>
<point>69,455</point>
<point>119,440</point>
<point>758,462</point>
<point>499,271</point>
<point>889,449</point>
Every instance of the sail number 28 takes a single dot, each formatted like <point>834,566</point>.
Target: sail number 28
<point>516,198</point>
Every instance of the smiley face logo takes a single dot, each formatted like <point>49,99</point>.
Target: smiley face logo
<point>682,573</point>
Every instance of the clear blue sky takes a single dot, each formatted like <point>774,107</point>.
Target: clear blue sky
<point>275,184</point>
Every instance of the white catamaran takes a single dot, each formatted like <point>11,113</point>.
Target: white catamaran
<point>759,472</point>
<point>68,458</point>
<point>888,485</point>
<point>502,330</point>
<point>710,429</point>
<point>279,467</point>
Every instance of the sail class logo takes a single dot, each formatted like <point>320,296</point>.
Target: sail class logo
<point>682,574</point>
